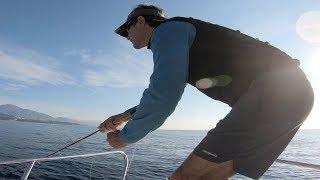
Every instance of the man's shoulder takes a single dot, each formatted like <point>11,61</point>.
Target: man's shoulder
<point>171,32</point>
<point>173,25</point>
<point>176,21</point>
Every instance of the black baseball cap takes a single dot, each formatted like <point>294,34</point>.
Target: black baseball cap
<point>156,14</point>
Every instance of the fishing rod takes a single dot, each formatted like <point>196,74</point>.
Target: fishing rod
<point>131,111</point>
<point>61,149</point>
<point>73,143</point>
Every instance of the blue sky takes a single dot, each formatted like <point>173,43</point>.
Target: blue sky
<point>63,58</point>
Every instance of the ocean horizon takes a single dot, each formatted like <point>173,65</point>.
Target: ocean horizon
<point>154,157</point>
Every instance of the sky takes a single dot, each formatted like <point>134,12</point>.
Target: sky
<point>63,58</point>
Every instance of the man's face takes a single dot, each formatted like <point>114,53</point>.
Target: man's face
<point>137,33</point>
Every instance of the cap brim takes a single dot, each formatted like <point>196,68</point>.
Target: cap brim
<point>122,30</point>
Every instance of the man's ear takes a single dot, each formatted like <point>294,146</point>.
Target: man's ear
<point>141,20</point>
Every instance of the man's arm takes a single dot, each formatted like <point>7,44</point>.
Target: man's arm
<point>131,110</point>
<point>170,45</point>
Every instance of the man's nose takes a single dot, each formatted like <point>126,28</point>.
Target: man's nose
<point>128,35</point>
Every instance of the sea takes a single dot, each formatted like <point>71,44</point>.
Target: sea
<point>154,157</point>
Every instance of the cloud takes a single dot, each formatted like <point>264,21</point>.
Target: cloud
<point>24,67</point>
<point>83,53</point>
<point>123,67</point>
<point>13,87</point>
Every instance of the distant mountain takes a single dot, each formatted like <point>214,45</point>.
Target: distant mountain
<point>12,112</point>
<point>24,113</point>
<point>7,117</point>
<point>63,119</point>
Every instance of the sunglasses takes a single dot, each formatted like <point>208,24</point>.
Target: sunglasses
<point>131,22</point>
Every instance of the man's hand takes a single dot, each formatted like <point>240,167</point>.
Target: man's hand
<point>113,122</point>
<point>114,140</point>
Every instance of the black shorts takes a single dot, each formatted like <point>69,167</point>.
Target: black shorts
<point>261,123</point>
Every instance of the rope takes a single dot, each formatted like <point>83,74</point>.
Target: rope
<point>300,164</point>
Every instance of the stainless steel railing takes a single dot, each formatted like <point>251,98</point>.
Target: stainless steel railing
<point>33,161</point>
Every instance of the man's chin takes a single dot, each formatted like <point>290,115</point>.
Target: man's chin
<point>136,46</point>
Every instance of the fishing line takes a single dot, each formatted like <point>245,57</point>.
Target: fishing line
<point>58,151</point>
<point>73,162</point>
<point>91,168</point>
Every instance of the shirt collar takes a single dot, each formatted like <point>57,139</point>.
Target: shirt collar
<point>150,39</point>
<point>149,43</point>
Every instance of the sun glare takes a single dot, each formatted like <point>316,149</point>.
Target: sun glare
<point>308,26</point>
<point>313,120</point>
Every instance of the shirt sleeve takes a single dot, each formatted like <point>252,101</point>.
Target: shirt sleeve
<point>170,44</point>
<point>132,110</point>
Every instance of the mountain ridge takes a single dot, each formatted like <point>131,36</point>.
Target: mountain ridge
<point>8,111</point>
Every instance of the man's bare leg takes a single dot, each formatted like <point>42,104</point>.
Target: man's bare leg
<point>195,168</point>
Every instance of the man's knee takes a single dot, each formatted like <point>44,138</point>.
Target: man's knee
<point>194,167</point>
<point>224,172</point>
<point>179,174</point>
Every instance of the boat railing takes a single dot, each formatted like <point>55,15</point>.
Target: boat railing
<point>33,161</point>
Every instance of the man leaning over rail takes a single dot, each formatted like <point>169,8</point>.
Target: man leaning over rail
<point>269,94</point>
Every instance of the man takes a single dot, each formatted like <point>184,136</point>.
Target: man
<point>268,92</point>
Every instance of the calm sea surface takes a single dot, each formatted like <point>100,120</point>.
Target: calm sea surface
<point>154,157</point>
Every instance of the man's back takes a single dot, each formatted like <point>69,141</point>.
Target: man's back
<point>222,54</point>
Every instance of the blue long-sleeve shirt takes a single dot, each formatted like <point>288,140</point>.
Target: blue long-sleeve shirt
<point>170,44</point>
